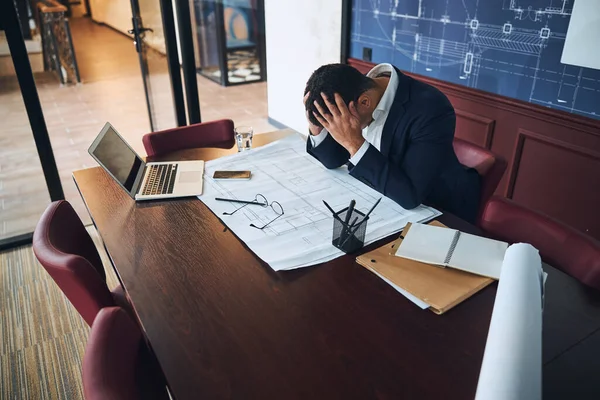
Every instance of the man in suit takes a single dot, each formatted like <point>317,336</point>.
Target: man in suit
<point>394,132</point>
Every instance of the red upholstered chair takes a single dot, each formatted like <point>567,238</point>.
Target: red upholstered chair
<point>114,366</point>
<point>490,166</point>
<point>560,245</point>
<point>67,252</point>
<point>207,134</point>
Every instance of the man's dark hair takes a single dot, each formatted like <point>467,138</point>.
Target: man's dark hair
<point>343,79</point>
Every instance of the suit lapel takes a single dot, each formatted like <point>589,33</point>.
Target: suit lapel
<point>396,113</point>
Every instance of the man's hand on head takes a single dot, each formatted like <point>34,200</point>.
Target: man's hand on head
<point>314,129</point>
<point>341,122</point>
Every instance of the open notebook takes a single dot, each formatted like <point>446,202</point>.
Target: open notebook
<point>451,248</point>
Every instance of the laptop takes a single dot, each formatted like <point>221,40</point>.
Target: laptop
<point>141,180</point>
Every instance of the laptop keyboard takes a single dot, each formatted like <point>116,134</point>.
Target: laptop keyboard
<point>161,179</point>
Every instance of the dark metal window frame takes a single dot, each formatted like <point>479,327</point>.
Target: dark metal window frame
<point>262,46</point>
<point>346,30</point>
<point>18,51</point>
<point>184,23</point>
<point>168,20</point>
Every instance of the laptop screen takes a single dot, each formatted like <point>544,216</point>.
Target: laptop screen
<point>117,157</point>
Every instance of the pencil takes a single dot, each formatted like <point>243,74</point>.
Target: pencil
<point>333,212</point>
<point>240,201</point>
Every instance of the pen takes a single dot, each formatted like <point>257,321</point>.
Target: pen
<point>350,211</point>
<point>372,208</point>
<point>240,201</point>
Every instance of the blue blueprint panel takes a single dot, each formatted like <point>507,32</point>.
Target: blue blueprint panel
<point>509,47</point>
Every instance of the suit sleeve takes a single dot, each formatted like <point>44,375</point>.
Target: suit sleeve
<point>410,180</point>
<point>329,152</point>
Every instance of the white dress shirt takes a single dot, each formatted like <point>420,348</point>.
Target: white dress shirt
<point>373,132</point>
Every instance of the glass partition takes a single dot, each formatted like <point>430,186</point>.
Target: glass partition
<point>23,191</point>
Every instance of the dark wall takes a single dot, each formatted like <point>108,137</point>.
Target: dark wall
<point>507,47</point>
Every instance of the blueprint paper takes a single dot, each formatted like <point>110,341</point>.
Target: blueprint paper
<point>282,171</point>
<point>512,362</point>
<point>509,47</point>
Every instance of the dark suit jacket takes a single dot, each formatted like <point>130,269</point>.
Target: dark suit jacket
<point>417,163</point>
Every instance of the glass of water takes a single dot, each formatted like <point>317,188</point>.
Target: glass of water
<point>243,136</point>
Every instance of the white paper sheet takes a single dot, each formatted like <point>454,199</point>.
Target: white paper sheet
<point>282,171</point>
<point>512,362</point>
<point>420,303</point>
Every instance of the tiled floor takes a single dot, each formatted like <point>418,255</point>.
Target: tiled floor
<point>111,91</point>
<point>242,65</point>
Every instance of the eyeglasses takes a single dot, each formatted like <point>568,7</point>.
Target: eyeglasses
<point>263,202</point>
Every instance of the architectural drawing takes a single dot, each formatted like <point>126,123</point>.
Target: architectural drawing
<point>509,47</point>
<point>284,172</point>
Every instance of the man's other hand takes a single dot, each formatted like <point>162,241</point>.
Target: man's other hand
<point>341,122</point>
<point>314,129</point>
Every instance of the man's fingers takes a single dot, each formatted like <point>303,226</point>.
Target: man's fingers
<point>331,106</point>
<point>321,110</point>
<point>322,121</point>
<point>353,110</point>
<point>340,104</point>
<point>305,97</point>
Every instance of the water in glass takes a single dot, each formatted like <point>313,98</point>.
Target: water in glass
<point>243,136</point>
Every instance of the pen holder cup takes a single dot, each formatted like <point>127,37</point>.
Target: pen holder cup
<point>349,238</point>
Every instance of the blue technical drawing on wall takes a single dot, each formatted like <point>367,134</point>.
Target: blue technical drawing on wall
<point>509,47</point>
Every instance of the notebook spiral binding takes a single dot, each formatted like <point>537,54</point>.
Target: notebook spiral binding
<point>452,247</point>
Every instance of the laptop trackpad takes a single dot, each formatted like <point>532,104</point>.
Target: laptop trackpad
<point>190,176</point>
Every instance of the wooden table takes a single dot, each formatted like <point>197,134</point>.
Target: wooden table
<point>224,325</point>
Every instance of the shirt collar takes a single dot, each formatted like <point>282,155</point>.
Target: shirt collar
<point>385,104</point>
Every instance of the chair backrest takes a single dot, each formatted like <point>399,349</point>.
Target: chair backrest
<point>67,252</point>
<point>109,363</point>
<point>490,167</point>
<point>560,245</point>
<point>218,133</point>
<point>117,364</point>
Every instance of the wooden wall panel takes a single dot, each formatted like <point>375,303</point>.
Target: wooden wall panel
<point>474,128</point>
<point>554,177</point>
<point>553,156</point>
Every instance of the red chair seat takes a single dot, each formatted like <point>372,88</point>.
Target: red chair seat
<point>67,252</point>
<point>490,167</point>
<point>110,354</point>
<point>218,134</point>
<point>115,366</point>
<point>560,245</point>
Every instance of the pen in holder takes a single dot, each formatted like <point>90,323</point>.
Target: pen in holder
<point>349,237</point>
